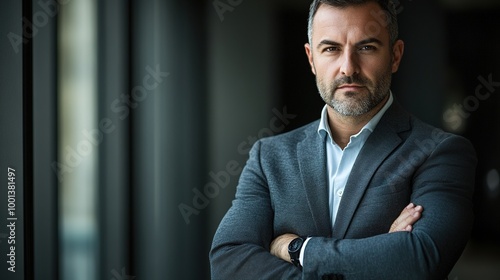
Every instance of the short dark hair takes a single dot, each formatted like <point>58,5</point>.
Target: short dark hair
<point>387,6</point>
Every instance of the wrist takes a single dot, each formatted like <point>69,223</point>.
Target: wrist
<point>279,246</point>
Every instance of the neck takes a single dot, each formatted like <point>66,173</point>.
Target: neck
<point>343,127</point>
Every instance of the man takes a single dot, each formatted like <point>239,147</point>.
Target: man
<point>318,202</point>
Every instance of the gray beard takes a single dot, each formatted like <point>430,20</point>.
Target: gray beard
<point>356,104</point>
<point>357,107</point>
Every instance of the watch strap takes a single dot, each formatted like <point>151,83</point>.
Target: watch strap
<point>294,249</point>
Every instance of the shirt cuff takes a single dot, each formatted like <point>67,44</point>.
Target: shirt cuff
<point>302,250</point>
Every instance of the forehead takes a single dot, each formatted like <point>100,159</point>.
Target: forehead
<point>360,21</point>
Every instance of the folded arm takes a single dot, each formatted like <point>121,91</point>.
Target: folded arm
<point>405,221</point>
<point>443,185</point>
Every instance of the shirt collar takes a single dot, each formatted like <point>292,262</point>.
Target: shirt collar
<point>370,126</point>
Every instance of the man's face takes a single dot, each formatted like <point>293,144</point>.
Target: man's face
<point>352,58</point>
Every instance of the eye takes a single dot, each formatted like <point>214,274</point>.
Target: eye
<point>368,48</point>
<point>331,49</point>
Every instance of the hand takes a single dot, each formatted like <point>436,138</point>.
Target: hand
<point>279,246</point>
<point>407,218</point>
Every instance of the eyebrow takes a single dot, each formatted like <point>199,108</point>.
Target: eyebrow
<point>360,43</point>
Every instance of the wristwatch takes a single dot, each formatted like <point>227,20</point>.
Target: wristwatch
<point>294,250</point>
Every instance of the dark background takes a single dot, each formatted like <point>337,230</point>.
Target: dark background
<point>230,69</point>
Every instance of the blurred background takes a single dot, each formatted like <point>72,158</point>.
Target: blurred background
<point>144,113</point>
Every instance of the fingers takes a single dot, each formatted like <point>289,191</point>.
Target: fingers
<point>407,218</point>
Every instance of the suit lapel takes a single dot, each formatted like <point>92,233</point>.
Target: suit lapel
<point>378,146</point>
<point>311,155</point>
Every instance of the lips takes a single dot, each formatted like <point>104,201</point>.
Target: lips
<point>350,87</point>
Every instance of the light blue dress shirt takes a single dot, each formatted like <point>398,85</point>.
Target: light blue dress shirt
<point>339,162</point>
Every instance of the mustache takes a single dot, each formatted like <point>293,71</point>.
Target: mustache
<point>345,80</point>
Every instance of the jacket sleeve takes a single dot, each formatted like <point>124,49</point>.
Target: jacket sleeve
<point>240,249</point>
<point>443,184</point>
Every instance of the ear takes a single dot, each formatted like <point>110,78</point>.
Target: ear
<point>310,57</point>
<point>397,54</point>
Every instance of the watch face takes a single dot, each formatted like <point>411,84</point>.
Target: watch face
<point>295,244</point>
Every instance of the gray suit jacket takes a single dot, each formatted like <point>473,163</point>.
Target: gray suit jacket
<point>283,189</point>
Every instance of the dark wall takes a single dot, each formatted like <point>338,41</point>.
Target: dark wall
<point>474,78</point>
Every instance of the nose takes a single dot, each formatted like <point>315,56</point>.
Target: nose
<point>350,65</point>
